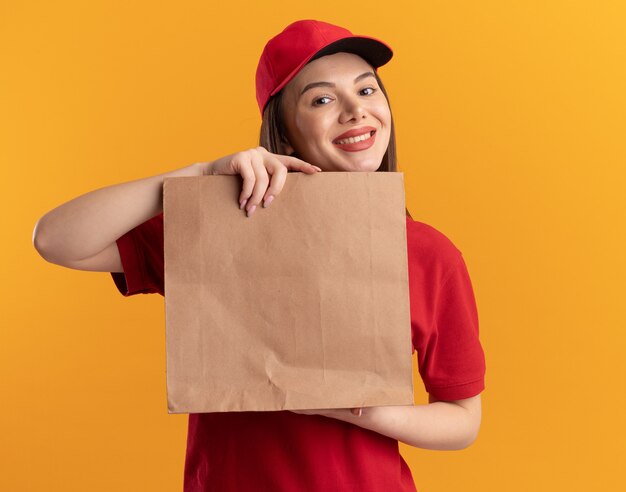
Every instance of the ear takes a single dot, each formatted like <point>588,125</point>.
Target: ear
<point>286,147</point>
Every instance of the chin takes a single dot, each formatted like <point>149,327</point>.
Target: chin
<point>365,164</point>
<point>366,167</point>
<point>354,163</point>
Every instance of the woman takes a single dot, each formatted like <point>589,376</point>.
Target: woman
<point>324,108</point>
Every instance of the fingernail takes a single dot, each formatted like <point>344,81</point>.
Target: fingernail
<point>319,169</point>
<point>242,203</point>
<point>268,200</point>
<point>360,410</point>
<point>251,210</point>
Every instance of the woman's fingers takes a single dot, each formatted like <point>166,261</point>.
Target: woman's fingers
<point>270,175</point>
<point>295,164</point>
<point>264,174</point>
<point>242,166</point>
<point>279,175</point>
<point>278,167</point>
<point>249,164</point>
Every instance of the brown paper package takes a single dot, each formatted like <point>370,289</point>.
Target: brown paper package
<point>303,305</point>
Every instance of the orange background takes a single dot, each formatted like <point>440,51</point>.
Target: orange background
<point>510,121</point>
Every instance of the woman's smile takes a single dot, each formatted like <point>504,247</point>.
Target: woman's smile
<point>361,141</point>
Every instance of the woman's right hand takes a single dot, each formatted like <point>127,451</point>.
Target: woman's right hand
<point>255,167</point>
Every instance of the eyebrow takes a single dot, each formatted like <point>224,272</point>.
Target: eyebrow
<point>330,84</point>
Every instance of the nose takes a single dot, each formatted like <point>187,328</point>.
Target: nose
<point>352,109</point>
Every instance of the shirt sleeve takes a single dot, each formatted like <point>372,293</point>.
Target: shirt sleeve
<point>141,252</point>
<point>450,357</point>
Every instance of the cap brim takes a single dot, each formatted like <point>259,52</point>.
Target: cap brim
<point>373,51</point>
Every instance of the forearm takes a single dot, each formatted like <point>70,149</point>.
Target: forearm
<point>87,224</point>
<point>439,425</point>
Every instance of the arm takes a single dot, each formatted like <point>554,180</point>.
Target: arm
<point>82,233</point>
<point>442,425</point>
<point>91,223</point>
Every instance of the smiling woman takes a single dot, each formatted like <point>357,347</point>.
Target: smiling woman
<point>324,108</point>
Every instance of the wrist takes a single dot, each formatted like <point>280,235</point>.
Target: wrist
<point>203,168</point>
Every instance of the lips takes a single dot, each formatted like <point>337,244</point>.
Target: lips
<point>359,145</point>
<point>355,132</point>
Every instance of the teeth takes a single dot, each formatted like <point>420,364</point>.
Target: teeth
<point>358,138</point>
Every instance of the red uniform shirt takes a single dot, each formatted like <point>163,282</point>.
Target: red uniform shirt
<point>283,451</point>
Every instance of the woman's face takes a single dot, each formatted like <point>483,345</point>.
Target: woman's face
<point>332,96</point>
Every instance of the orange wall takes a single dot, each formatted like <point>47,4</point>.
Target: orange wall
<point>510,120</point>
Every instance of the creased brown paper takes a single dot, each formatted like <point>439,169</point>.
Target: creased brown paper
<point>304,305</point>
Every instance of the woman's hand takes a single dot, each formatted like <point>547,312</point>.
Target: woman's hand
<point>256,166</point>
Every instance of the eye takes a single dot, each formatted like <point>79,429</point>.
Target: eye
<point>372,89</point>
<point>317,102</point>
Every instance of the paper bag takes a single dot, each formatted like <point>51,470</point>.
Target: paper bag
<point>303,305</point>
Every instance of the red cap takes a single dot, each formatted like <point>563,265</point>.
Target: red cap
<point>303,41</point>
